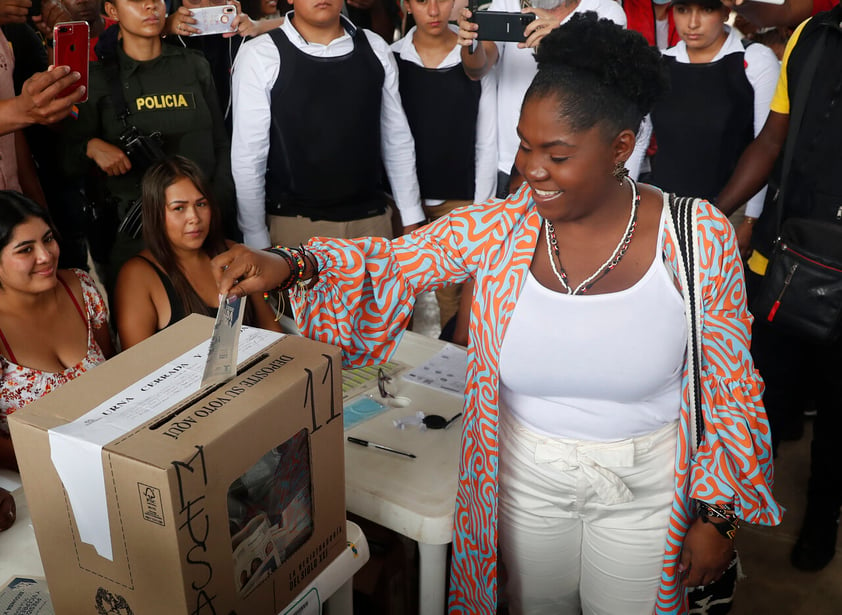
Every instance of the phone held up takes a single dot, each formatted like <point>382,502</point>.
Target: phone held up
<point>72,40</point>
<point>502,26</point>
<point>214,19</point>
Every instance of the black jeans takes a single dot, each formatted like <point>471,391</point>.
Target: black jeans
<point>795,372</point>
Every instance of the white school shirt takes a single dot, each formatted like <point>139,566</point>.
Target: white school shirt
<point>762,70</point>
<point>256,69</point>
<point>516,68</point>
<point>485,149</point>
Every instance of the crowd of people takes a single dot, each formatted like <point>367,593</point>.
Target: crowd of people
<point>354,155</point>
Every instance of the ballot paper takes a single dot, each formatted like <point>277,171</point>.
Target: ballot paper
<point>446,371</point>
<point>221,363</point>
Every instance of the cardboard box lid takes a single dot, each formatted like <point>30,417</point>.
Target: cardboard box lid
<point>132,389</point>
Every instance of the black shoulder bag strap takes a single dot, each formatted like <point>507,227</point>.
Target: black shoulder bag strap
<point>682,224</point>
<point>796,114</point>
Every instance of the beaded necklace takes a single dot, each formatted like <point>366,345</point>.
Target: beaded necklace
<point>613,260</point>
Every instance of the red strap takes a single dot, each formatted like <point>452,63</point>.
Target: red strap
<point>73,299</point>
<point>9,348</point>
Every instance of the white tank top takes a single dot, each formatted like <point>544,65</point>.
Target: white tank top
<point>596,367</point>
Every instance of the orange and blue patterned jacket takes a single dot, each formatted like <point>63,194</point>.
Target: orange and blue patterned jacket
<point>363,301</point>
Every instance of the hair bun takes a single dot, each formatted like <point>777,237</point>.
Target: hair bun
<point>615,57</point>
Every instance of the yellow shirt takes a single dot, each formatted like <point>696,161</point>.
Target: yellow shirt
<point>780,100</point>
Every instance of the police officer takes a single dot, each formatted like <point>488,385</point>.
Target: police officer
<point>146,100</point>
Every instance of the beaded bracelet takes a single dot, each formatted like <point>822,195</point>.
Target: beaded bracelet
<point>295,262</point>
<point>729,523</point>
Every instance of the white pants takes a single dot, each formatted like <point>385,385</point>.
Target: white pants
<point>583,525</point>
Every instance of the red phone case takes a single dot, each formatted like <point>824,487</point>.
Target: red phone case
<point>72,42</point>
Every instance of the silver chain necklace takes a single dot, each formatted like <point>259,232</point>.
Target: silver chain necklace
<point>611,263</point>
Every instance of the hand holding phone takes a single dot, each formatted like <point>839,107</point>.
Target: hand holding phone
<point>72,42</point>
<point>502,26</point>
<point>214,19</point>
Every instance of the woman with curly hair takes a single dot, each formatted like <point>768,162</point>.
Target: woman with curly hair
<point>578,479</point>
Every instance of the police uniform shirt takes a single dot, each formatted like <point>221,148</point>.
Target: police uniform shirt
<point>256,69</point>
<point>174,94</point>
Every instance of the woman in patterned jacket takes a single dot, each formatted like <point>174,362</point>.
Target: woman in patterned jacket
<point>576,470</point>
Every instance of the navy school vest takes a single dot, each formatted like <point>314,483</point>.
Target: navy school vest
<point>324,145</point>
<point>441,106</point>
<point>702,125</point>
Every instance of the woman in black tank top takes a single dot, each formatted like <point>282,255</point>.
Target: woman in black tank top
<point>172,277</point>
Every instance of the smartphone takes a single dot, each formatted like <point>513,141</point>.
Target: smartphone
<point>502,26</point>
<point>72,41</point>
<point>214,19</point>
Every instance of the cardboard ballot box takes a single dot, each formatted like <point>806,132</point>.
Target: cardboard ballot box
<point>151,495</point>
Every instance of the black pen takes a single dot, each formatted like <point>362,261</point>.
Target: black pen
<point>362,442</point>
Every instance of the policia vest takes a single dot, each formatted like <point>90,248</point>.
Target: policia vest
<point>324,140</point>
<point>813,190</point>
<point>702,125</point>
<point>441,106</point>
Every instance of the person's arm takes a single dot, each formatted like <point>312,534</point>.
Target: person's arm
<point>109,158</point>
<point>762,70</point>
<point>136,315</point>
<point>81,146</point>
<point>361,292</point>
<point>396,142</point>
<point>246,26</point>
<point>485,182</point>
<point>37,102</point>
<point>758,159</point>
<point>479,63</point>
<point>27,173</point>
<point>181,23</point>
<point>52,12</point>
<point>733,465</point>
<point>755,164</point>
<point>255,70</point>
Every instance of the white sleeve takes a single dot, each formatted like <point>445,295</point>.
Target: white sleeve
<point>610,9</point>
<point>486,144</point>
<point>762,71</point>
<point>397,144</point>
<point>641,144</point>
<point>256,69</point>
